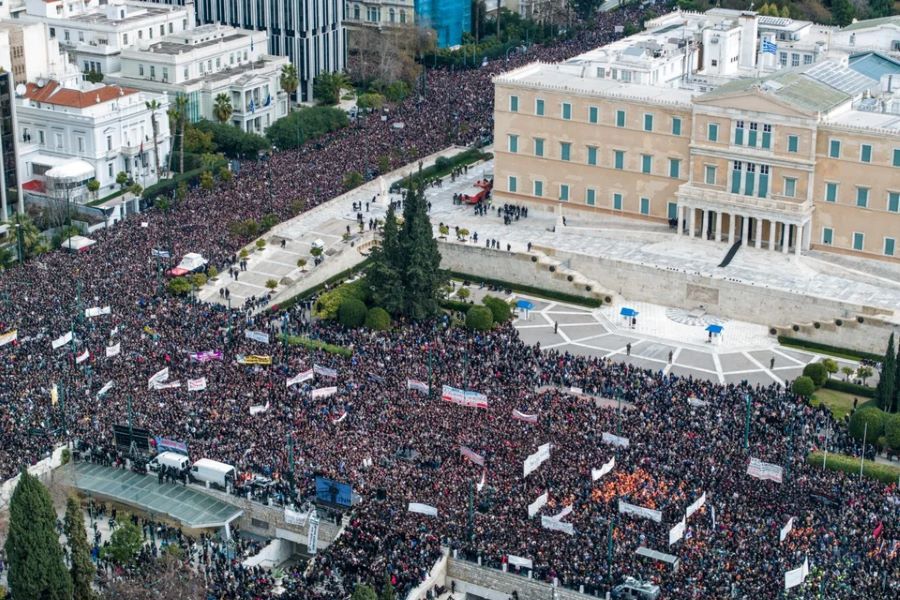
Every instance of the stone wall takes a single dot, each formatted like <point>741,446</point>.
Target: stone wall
<point>498,585</point>
<point>777,309</point>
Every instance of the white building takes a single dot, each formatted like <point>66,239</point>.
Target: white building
<point>27,51</point>
<point>205,62</point>
<point>310,33</point>
<point>68,136</point>
<point>379,13</point>
<point>95,33</point>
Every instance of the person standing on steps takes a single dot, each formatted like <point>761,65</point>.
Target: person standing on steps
<point>628,349</point>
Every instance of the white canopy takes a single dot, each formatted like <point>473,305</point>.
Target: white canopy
<point>78,242</point>
<point>73,171</point>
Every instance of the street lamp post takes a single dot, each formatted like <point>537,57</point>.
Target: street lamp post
<point>747,424</point>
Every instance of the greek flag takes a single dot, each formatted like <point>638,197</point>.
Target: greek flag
<point>160,253</point>
<point>252,106</point>
<point>769,47</point>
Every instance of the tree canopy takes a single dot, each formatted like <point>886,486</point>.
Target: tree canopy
<point>305,124</point>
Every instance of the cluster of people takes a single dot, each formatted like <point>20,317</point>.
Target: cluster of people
<point>394,443</point>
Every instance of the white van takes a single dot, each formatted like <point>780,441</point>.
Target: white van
<point>169,459</point>
<point>213,472</point>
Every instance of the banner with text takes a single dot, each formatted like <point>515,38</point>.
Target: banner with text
<point>796,577</point>
<point>415,384</point>
<point>61,340</point>
<point>113,350</point>
<point>472,455</point>
<point>96,311</point>
<point>197,385</point>
<point>157,378</point>
<point>606,468</point>
<point>786,529</point>
<point>206,355</point>
<point>536,506</point>
<point>677,532</point>
<point>324,392</point>
<point>615,440</point>
<point>640,511</point>
<point>520,416</point>
<point>325,371</point>
<point>256,336</point>
<point>463,397</point>
<point>533,461</point>
<point>423,509</point>
<point>695,506</point>
<point>764,470</point>
<point>554,525</point>
<point>300,377</point>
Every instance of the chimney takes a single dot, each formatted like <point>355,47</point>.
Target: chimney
<point>749,28</point>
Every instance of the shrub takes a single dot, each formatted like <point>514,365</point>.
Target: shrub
<point>529,290</point>
<point>463,293</point>
<point>499,309</point>
<point>352,312</point>
<point>830,365</point>
<point>301,262</point>
<point>816,372</point>
<point>442,163</point>
<point>378,319</point>
<point>198,279</point>
<point>245,253</point>
<point>260,244</point>
<point>803,386</point>
<point>213,272</point>
<point>271,284</point>
<point>850,464</point>
<point>479,318</point>
<point>892,431</point>
<point>310,344</point>
<point>329,303</point>
<point>179,286</point>
<point>370,100</point>
<point>850,388</point>
<point>826,349</point>
<point>868,421</point>
<point>455,305</point>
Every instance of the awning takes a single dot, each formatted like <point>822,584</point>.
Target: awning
<point>655,555</point>
<point>525,305</point>
<point>628,312</point>
<point>714,328</point>
<point>74,171</point>
<point>78,242</point>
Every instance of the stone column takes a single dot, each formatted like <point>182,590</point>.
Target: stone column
<point>730,229</point>
<point>758,233</point>
<point>704,223</point>
<point>692,221</point>
<point>798,241</point>
<point>786,228</point>
<point>680,229</point>
<point>745,230</point>
<point>773,227</point>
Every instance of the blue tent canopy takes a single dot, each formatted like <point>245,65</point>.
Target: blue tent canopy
<point>628,312</point>
<point>715,328</point>
<point>525,305</point>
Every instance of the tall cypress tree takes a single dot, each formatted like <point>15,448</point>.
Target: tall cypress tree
<point>82,569</point>
<point>422,276</point>
<point>36,567</point>
<point>884,391</point>
<point>385,276</point>
<point>896,405</point>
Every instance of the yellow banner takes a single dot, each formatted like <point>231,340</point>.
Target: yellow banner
<point>54,395</point>
<point>149,330</point>
<point>255,359</point>
<point>9,336</point>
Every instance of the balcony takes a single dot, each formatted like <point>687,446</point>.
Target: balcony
<point>765,207</point>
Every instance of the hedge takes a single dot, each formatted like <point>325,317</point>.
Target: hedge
<point>456,305</point>
<point>825,348</point>
<point>443,167</point>
<point>309,292</point>
<point>167,186</point>
<point>479,318</point>
<point>311,344</point>
<point>850,464</point>
<point>532,291</point>
<point>378,319</point>
<point>849,388</point>
<point>500,309</point>
<point>352,312</point>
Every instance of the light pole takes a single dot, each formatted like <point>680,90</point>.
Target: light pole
<point>19,243</point>
<point>747,424</point>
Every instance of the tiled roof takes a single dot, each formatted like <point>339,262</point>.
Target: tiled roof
<point>53,93</point>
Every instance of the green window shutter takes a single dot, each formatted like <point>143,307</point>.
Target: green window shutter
<point>793,143</point>
<point>763,185</point>
<point>739,136</point>
<point>513,143</point>
<point>645,206</point>
<point>617,201</point>
<point>648,122</point>
<point>862,197</point>
<point>619,159</point>
<point>673,210</point>
<point>593,114</point>
<point>896,162</point>
<point>831,191</point>
<point>538,147</point>
<point>563,192</point>
<point>566,111</point>
<point>592,155</point>
<point>676,126</point>
<point>539,188</point>
<point>736,181</point>
<point>565,150</point>
<point>513,104</point>
<point>894,202</point>
<point>512,184</point>
<point>712,132</point>
<point>888,246</point>
<point>766,140</point>
<point>620,118</point>
<point>751,138</point>
<point>834,149</point>
<point>827,235</point>
<point>646,163</point>
<point>859,241</point>
<point>674,168</point>
<point>749,184</point>
<point>865,153</point>
<point>591,197</point>
<point>539,108</point>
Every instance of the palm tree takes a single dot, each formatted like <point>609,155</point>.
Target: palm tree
<point>153,106</point>
<point>181,110</point>
<point>289,81</point>
<point>222,108</point>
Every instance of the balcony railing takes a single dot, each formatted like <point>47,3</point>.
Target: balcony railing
<point>777,204</point>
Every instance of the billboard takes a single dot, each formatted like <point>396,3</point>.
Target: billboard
<point>333,492</point>
<point>167,445</point>
<point>124,438</point>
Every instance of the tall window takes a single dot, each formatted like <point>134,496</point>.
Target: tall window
<point>590,197</point>
<point>619,159</point>
<point>712,132</point>
<point>767,136</point>
<point>512,143</point>
<point>865,153</point>
<point>511,183</point>
<point>513,104</point>
<point>566,111</point>
<point>831,192</point>
<point>793,143</point>
<point>827,236</point>
<point>539,107</point>
<point>790,187</point>
<point>564,192</point>
<point>648,122</point>
<point>893,203</point>
<point>862,197</point>
<point>646,163</point>
<point>710,175</point>
<point>593,114</point>
<point>834,148</point>
<point>538,147</point>
<point>620,118</point>
<point>617,201</point>
<point>676,126</point>
<point>674,168</point>
<point>592,155</point>
<point>645,206</point>
<point>538,188</point>
<point>739,133</point>
<point>889,245</point>
<point>565,151</point>
<point>859,241</point>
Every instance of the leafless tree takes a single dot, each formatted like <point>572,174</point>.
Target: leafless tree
<point>168,579</point>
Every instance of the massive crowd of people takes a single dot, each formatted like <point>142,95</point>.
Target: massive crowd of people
<point>407,444</point>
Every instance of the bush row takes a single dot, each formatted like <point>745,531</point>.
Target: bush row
<point>850,388</point>
<point>845,352</point>
<point>443,166</point>
<point>850,464</point>
<point>310,344</point>
<point>527,289</point>
<point>307,293</point>
<point>167,186</point>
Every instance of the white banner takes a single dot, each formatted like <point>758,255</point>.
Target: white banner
<point>695,506</point>
<point>472,455</point>
<point>786,529</point>
<point>324,371</point>
<point>82,357</point>
<point>340,418</point>
<point>697,402</point>
<point>312,534</point>
<point>157,378</point>
<point>104,389</point>
<point>423,509</point>
<point>256,336</point>
<point>480,485</point>
<point>113,350</point>
<point>562,514</point>
<point>796,576</point>
<point>197,385</point>
<point>606,468</point>
<point>61,340</point>
<point>259,408</point>
<point>294,517</point>
<point>9,337</point>
<point>518,561</point>
<point>615,440</point>
<point>533,461</point>
<point>463,397</point>
<point>167,386</point>
<point>415,384</point>
<point>554,525</point>
<point>640,511</point>
<point>677,532</point>
<point>300,378</point>
<point>528,418</point>
<point>764,470</point>
<point>96,311</point>
<point>324,392</point>
<point>536,506</point>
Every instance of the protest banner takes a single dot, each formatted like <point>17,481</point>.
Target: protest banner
<point>423,509</point>
<point>764,470</point>
<point>606,468</point>
<point>472,455</point>
<point>533,461</point>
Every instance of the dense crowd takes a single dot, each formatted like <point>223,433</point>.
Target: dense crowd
<point>408,444</point>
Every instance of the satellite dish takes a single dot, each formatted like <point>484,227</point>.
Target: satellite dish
<point>20,89</point>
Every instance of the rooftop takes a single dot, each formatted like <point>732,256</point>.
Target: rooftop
<point>874,65</point>
<point>871,23</point>
<point>101,18</point>
<point>174,48</point>
<point>53,93</point>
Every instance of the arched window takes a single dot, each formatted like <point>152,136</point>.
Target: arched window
<point>391,15</point>
<point>402,16</point>
<point>372,13</point>
<point>356,12</point>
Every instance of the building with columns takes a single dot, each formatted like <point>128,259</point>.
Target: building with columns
<point>688,123</point>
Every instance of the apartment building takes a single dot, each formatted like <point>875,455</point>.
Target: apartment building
<point>696,123</point>
<point>379,13</point>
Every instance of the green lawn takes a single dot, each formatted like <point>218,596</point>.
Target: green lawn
<point>839,403</point>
